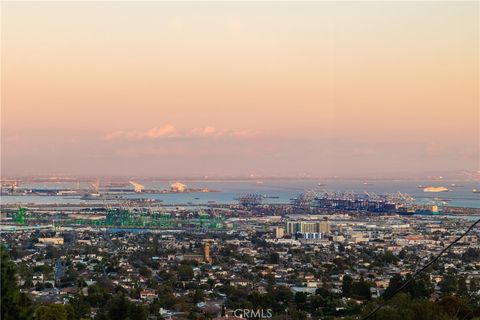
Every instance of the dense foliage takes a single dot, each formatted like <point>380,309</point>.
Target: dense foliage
<point>105,301</point>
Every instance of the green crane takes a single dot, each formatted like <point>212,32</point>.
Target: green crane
<point>21,216</point>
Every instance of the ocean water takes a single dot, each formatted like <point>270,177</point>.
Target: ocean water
<point>285,190</point>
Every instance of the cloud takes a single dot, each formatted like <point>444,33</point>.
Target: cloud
<point>169,131</point>
<point>204,132</point>
<point>153,133</point>
<point>166,131</point>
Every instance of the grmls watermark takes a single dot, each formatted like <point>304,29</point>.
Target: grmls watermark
<point>253,314</point>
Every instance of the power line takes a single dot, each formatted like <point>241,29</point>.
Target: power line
<point>420,271</point>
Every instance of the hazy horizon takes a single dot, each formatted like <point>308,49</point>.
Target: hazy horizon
<point>277,89</point>
<point>443,175</point>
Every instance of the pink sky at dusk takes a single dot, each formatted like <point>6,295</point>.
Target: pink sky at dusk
<point>233,88</point>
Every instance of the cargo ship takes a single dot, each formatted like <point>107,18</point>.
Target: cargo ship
<point>433,210</point>
<point>92,196</point>
<point>435,189</point>
<point>270,197</point>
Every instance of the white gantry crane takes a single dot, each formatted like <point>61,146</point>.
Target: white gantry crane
<point>137,186</point>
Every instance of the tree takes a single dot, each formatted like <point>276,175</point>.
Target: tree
<point>80,306</point>
<point>300,299</point>
<point>97,295</point>
<point>347,282</point>
<point>422,287</point>
<point>81,282</point>
<point>455,307</point>
<point>198,296</point>
<point>185,272</point>
<point>51,312</point>
<point>449,283</point>
<point>402,307</point>
<point>462,286</point>
<point>274,258</point>
<point>51,252</point>
<point>473,285</point>
<point>14,304</point>
<point>145,272</point>
<point>471,254</point>
<point>270,279</point>
<point>119,308</point>
<point>386,257</point>
<point>361,289</point>
<point>28,283</point>
<point>283,294</point>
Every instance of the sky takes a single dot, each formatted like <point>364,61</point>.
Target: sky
<point>239,88</point>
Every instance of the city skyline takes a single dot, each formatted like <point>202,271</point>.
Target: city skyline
<point>233,89</point>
